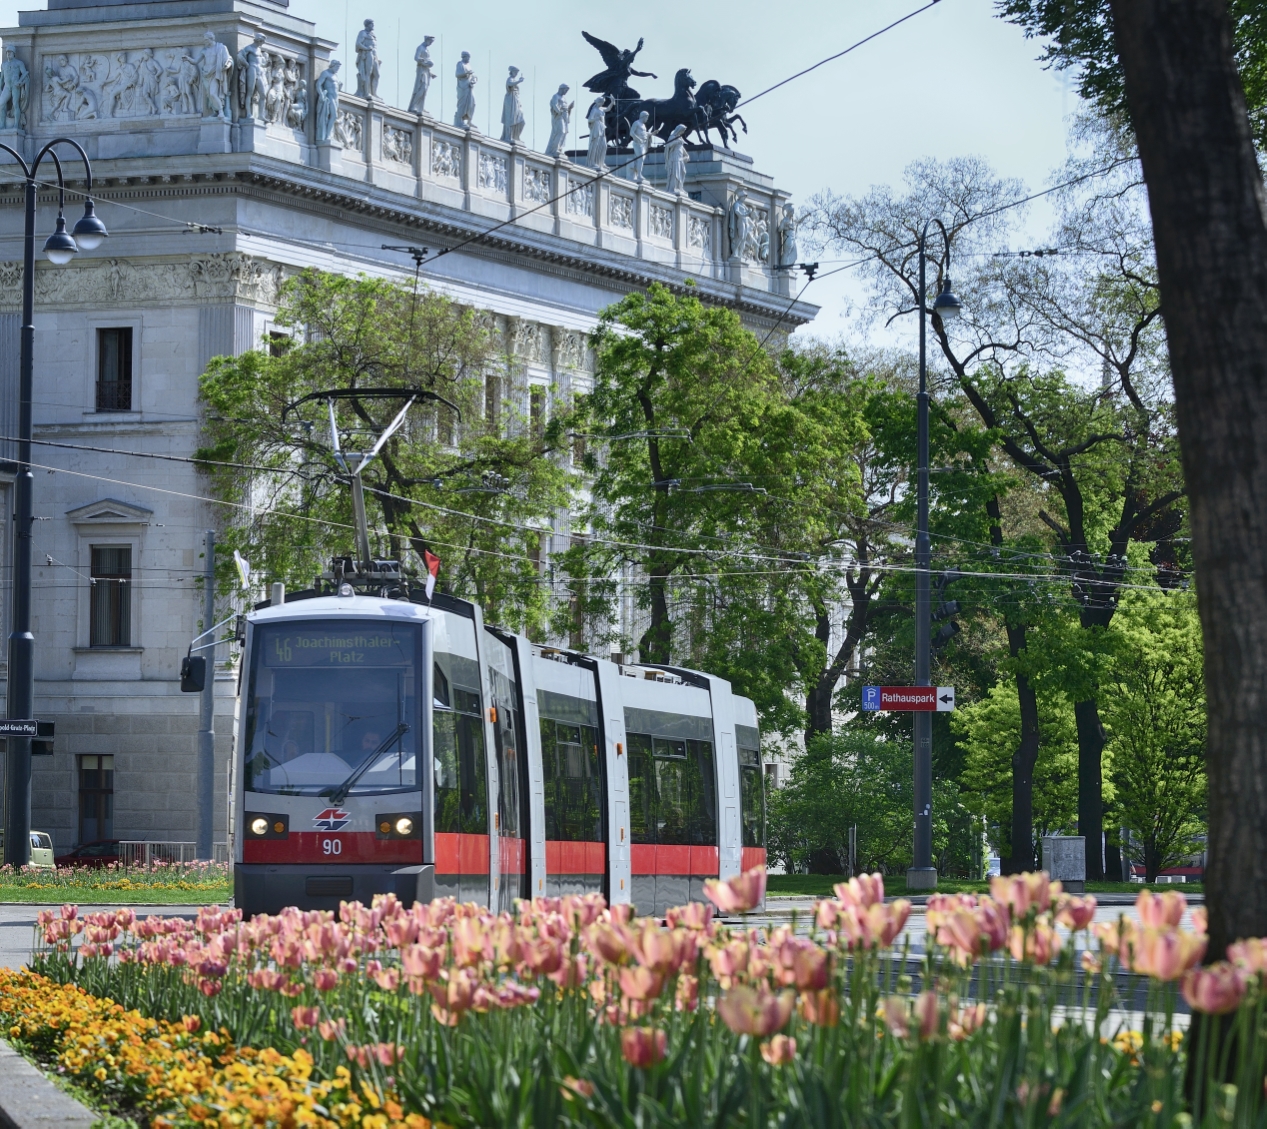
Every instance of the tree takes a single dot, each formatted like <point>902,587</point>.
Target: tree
<point>1080,36</point>
<point>845,779</point>
<point>991,730</point>
<point>1205,193</point>
<point>477,489</point>
<point>1106,456</point>
<point>1155,715</point>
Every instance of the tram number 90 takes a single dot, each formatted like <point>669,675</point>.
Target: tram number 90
<point>332,846</point>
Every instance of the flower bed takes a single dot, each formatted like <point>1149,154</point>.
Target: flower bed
<point>158,881</point>
<point>571,1012</point>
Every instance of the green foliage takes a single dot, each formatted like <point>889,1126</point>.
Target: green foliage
<point>1154,710</point>
<point>476,487</point>
<point>1079,35</point>
<point>990,731</point>
<point>846,778</point>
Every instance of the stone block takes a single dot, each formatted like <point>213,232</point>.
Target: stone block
<point>330,156</point>
<point>1065,860</point>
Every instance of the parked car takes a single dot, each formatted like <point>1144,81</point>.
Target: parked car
<point>103,852</point>
<point>42,850</point>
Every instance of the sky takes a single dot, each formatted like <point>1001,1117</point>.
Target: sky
<point>952,81</point>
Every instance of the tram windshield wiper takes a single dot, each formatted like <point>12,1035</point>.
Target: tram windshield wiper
<point>340,794</point>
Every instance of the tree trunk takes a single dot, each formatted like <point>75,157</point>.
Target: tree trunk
<point>1023,761</point>
<point>1086,716</point>
<point>655,644</point>
<point>1207,201</point>
<point>818,700</point>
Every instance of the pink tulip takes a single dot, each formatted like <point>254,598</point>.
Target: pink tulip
<point>755,1011</point>
<point>388,979</point>
<point>686,998</point>
<point>695,916</point>
<point>1200,919</point>
<point>729,959</point>
<point>1040,944</point>
<point>1161,911</point>
<point>927,1012</point>
<point>643,1047</point>
<point>544,957</point>
<point>1250,955</point>
<point>897,1016</point>
<point>1215,990</point>
<point>779,1051</point>
<point>822,1009</point>
<point>421,963</point>
<point>1023,892</point>
<point>610,943</point>
<point>331,1031</point>
<point>810,968</point>
<point>1166,955</point>
<point>864,891</point>
<point>641,983</point>
<point>305,1017</point>
<point>1076,913</point>
<point>966,1022</point>
<point>739,894</point>
<point>325,979</point>
<point>657,949</point>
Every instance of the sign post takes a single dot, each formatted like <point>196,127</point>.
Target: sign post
<point>908,699</point>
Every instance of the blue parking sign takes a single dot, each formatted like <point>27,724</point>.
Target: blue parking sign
<point>871,697</point>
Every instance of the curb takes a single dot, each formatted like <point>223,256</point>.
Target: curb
<point>28,1100</point>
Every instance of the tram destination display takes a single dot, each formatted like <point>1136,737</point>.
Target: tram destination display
<point>332,647</point>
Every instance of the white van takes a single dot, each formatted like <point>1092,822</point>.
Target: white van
<point>42,851</point>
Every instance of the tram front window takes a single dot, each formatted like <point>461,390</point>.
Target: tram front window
<point>331,703</point>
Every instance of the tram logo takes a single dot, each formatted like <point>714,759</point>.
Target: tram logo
<point>331,819</point>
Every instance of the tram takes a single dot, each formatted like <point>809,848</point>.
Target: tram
<point>391,741</point>
<point>395,743</point>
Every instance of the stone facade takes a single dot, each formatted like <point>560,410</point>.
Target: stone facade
<point>207,217</point>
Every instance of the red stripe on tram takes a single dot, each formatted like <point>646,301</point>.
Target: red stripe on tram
<point>580,857</point>
<point>461,854</point>
<point>673,859</point>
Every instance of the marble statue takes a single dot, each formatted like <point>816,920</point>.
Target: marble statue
<point>739,225</point>
<point>120,92</point>
<point>275,98</point>
<point>149,73</point>
<point>596,115</point>
<point>464,116</point>
<point>290,85</point>
<point>787,237</point>
<point>640,139</point>
<point>297,111</point>
<point>512,108</point>
<point>367,62</point>
<point>675,158</point>
<point>15,91</point>
<point>422,79</point>
<point>215,64</point>
<point>327,98</point>
<point>560,121</point>
<point>252,63</point>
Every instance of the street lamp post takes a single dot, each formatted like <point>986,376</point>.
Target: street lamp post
<point>60,247</point>
<point>922,874</point>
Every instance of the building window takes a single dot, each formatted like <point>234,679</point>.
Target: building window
<point>492,397</point>
<point>96,798</point>
<point>111,600</point>
<point>114,369</point>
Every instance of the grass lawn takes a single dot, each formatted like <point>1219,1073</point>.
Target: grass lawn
<point>820,885</point>
<point>168,884</point>
<point>106,895</point>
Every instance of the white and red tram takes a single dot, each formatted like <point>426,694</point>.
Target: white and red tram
<point>396,744</point>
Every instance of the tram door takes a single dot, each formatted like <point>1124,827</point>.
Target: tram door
<point>572,767</point>
<point>509,816</point>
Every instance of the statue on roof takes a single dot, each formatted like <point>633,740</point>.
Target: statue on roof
<point>614,81</point>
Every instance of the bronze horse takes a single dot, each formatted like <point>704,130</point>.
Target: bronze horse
<point>664,114</point>
<point>719,104</point>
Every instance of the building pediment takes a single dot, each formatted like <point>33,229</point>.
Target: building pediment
<point>110,511</point>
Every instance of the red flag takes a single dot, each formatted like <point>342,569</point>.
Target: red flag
<point>433,570</point>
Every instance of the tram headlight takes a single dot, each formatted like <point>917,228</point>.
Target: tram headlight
<point>404,825</point>
<point>398,824</point>
<point>259,827</point>
<point>266,825</point>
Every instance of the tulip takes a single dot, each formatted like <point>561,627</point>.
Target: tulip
<point>657,949</point>
<point>755,1011</point>
<point>821,1008</point>
<point>966,1022</point>
<point>331,1031</point>
<point>641,983</point>
<point>1039,944</point>
<point>1161,911</point>
<point>1215,990</point>
<point>686,998</point>
<point>928,1014</point>
<point>325,979</point>
<point>643,1047</point>
<point>191,1023</point>
<point>1166,955</point>
<point>421,963</point>
<point>388,979</point>
<point>696,916</point>
<point>864,891</point>
<point>1200,919</point>
<point>1091,963</point>
<point>810,968</point>
<point>544,956</point>
<point>739,894</point>
<point>728,960</point>
<point>574,1087</point>
<point>1250,955</point>
<point>779,1051</point>
<point>1076,913</point>
<point>897,1016</point>
<point>305,1017</point>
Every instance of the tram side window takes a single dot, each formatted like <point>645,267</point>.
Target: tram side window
<point>573,781</point>
<point>752,784</point>
<point>461,775</point>
<point>671,784</point>
<point>506,732</point>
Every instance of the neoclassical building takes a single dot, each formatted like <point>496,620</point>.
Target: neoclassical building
<point>214,185</point>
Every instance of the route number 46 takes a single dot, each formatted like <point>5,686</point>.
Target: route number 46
<point>332,846</point>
